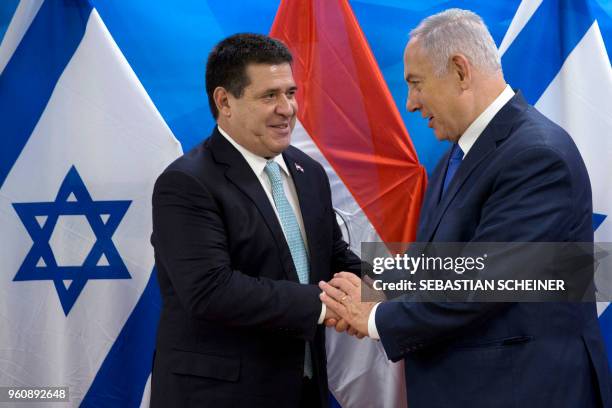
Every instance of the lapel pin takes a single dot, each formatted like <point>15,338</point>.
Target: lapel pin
<point>299,168</point>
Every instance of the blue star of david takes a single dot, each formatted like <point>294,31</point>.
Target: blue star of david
<point>103,217</point>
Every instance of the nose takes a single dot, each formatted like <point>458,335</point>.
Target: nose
<point>412,102</point>
<point>286,106</point>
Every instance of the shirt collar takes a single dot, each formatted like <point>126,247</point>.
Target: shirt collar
<point>467,140</point>
<point>257,163</point>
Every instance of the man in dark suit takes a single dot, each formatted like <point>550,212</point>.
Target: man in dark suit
<point>511,175</point>
<point>242,224</point>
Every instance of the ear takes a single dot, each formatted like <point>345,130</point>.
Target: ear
<point>462,69</point>
<point>221,97</point>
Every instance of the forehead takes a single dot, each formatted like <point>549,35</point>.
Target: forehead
<point>416,62</point>
<point>270,75</point>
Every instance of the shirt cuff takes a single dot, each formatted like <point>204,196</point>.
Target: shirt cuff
<point>322,315</point>
<point>372,330</point>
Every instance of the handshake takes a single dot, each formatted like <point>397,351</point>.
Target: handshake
<point>345,311</point>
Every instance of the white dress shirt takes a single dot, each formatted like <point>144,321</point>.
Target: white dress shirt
<point>257,164</point>
<point>469,137</point>
<point>466,141</point>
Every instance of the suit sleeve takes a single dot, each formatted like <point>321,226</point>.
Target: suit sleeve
<point>530,201</point>
<point>191,244</point>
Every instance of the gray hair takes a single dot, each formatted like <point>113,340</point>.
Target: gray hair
<point>456,31</point>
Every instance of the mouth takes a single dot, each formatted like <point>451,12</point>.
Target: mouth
<point>282,128</point>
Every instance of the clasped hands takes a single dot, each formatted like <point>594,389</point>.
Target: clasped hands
<point>345,311</point>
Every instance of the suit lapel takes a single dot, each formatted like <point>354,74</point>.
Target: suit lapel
<point>309,203</point>
<point>240,174</point>
<point>498,129</point>
<point>481,149</point>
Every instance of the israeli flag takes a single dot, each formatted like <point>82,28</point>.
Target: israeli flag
<point>81,146</point>
<point>554,52</point>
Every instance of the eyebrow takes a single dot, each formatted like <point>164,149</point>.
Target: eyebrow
<point>275,90</point>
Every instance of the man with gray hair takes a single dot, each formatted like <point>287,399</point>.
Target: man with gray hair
<point>511,175</point>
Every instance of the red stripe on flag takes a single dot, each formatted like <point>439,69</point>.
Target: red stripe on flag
<point>349,113</point>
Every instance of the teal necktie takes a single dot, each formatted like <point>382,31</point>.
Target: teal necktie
<point>293,235</point>
<point>288,222</point>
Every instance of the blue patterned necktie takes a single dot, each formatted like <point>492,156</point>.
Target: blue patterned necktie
<point>456,157</point>
<point>293,235</point>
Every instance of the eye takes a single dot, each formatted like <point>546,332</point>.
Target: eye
<point>291,93</point>
<point>414,87</point>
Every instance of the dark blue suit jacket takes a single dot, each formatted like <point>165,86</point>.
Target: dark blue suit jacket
<point>235,317</point>
<point>522,181</point>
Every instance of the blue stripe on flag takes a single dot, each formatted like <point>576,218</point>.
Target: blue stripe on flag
<point>28,80</point>
<point>605,323</point>
<point>546,49</point>
<point>7,10</point>
<point>126,368</point>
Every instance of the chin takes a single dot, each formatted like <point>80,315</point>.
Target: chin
<point>440,136</point>
<point>281,145</point>
<point>278,148</point>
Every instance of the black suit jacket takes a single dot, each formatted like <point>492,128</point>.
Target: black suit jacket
<point>235,317</point>
<point>522,181</point>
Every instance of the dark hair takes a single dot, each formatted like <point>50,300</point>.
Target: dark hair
<point>227,62</point>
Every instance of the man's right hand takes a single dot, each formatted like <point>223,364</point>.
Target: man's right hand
<point>340,325</point>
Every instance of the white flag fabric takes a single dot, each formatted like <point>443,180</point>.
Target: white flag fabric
<point>359,373</point>
<point>82,146</point>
